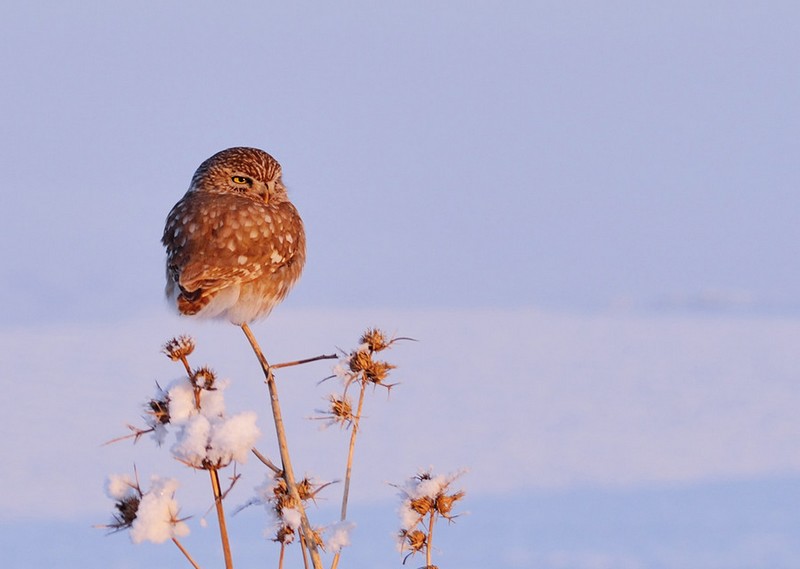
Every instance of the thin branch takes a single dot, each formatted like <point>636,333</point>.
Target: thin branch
<point>305,361</point>
<point>267,462</point>
<point>185,553</point>
<point>288,472</point>
<point>351,450</point>
<point>349,467</point>
<point>136,434</point>
<point>185,363</point>
<point>223,528</point>
<point>305,554</point>
<point>429,541</point>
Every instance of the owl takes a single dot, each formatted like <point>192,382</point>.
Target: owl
<point>235,243</point>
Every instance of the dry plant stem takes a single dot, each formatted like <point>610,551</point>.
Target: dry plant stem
<point>351,450</point>
<point>349,467</point>
<point>223,528</point>
<point>185,553</point>
<point>305,556</point>
<point>305,361</point>
<point>185,363</point>
<point>280,557</point>
<point>429,541</point>
<point>288,472</point>
<point>265,461</point>
<point>335,562</point>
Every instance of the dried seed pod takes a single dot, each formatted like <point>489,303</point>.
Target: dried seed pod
<point>179,348</point>
<point>204,378</point>
<point>360,361</point>
<point>444,503</point>
<point>416,539</point>
<point>159,409</point>
<point>127,507</point>
<point>375,339</point>
<point>422,505</point>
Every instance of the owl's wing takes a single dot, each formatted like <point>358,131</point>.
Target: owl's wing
<point>199,276</point>
<point>219,241</point>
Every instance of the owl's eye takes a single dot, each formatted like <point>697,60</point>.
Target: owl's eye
<point>242,180</point>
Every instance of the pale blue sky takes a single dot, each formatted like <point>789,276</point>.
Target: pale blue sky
<point>514,154</point>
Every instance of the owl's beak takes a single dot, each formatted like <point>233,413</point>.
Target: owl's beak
<point>267,191</point>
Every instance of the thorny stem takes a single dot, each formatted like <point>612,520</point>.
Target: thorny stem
<point>288,472</point>
<point>223,528</point>
<point>185,553</point>
<point>349,467</point>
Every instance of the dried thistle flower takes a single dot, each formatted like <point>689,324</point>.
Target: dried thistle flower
<point>372,371</point>
<point>422,505</point>
<point>444,503</point>
<point>275,495</point>
<point>378,372</point>
<point>414,540</point>
<point>284,534</point>
<point>127,508</point>
<point>281,500</point>
<point>179,348</point>
<point>204,378</point>
<point>360,360</point>
<point>375,340</point>
<point>425,496</point>
<point>159,410</point>
<point>340,410</point>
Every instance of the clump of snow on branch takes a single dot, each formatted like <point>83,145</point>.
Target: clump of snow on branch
<point>120,486</point>
<point>157,516</point>
<point>204,436</point>
<point>274,495</point>
<point>338,536</point>
<point>150,516</point>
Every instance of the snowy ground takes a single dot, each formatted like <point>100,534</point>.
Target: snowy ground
<point>592,440</point>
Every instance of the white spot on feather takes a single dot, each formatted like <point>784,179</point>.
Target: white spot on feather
<point>242,259</point>
<point>276,257</point>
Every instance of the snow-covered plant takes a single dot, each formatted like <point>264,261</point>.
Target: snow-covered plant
<point>192,407</point>
<point>359,367</point>
<point>424,498</point>
<point>191,411</point>
<point>150,516</point>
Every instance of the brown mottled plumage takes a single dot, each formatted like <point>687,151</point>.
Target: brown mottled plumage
<point>235,243</point>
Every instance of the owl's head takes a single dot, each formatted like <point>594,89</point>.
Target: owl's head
<point>249,172</point>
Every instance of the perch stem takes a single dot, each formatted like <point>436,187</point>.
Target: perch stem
<point>288,472</point>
